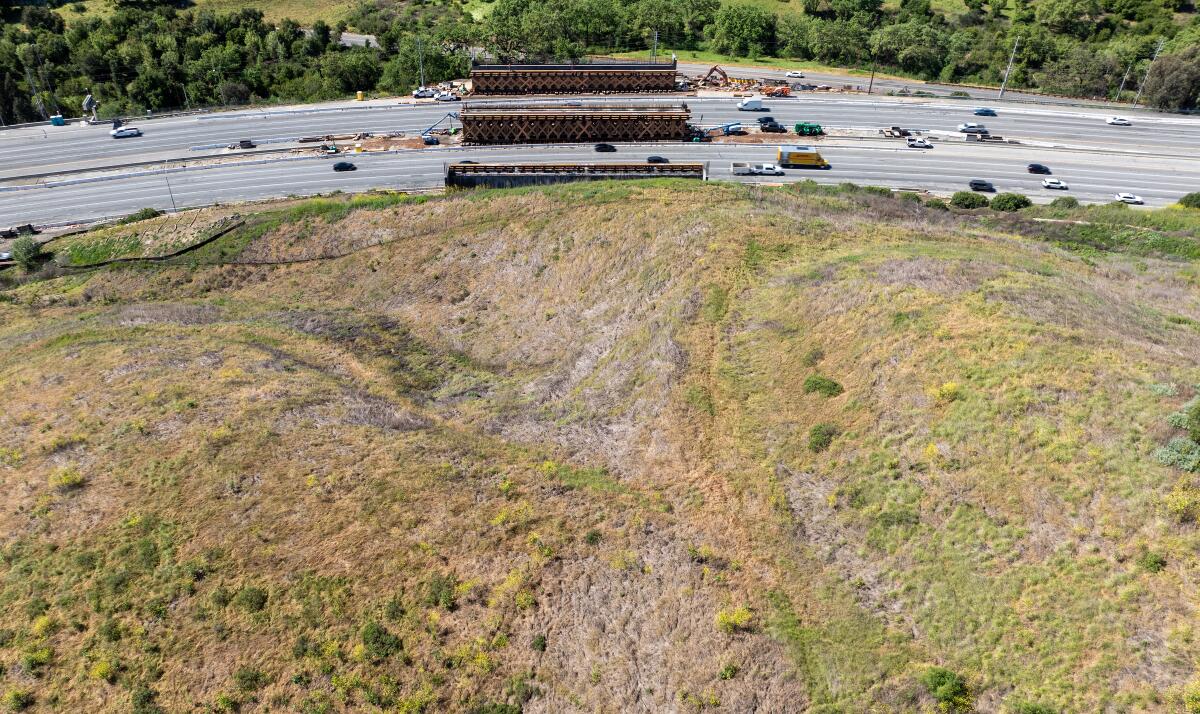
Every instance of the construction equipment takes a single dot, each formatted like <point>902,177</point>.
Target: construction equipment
<point>895,132</point>
<point>777,91</point>
<point>808,128</point>
<point>715,77</point>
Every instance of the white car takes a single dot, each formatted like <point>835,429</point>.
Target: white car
<point>424,93</point>
<point>1118,121</point>
<point>125,131</point>
<point>794,74</point>
<point>5,256</point>
<point>1054,183</point>
<point>914,143</point>
<point>445,97</point>
<point>972,128</point>
<point>1129,198</point>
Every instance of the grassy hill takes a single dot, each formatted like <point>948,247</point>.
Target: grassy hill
<point>608,447</point>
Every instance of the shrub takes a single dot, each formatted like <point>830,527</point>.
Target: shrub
<point>36,658</point>
<point>1190,200</point>
<point>1010,202</point>
<point>143,215</point>
<point>249,679</point>
<point>822,385</point>
<point>949,689</point>
<point>1030,708</point>
<point>43,626</point>
<point>379,642</point>
<point>143,700</point>
<point>735,620</point>
<point>27,253</point>
<point>16,700</point>
<point>936,204</point>
<point>729,671</point>
<point>67,479</point>
<point>968,199</point>
<point>812,357</point>
<point>440,591</point>
<point>1183,503</point>
<point>593,537</point>
<point>1065,202</point>
<point>821,436</point>
<point>1151,562</point>
<point>948,392</point>
<point>104,670</point>
<point>539,643</point>
<point>1192,421</point>
<point>251,599</point>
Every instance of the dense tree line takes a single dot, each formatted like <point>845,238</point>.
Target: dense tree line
<point>150,56</point>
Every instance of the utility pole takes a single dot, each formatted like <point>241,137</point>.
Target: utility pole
<point>1121,89</point>
<point>1008,71</point>
<point>174,208</point>
<point>871,84</point>
<point>421,59</point>
<point>1143,83</point>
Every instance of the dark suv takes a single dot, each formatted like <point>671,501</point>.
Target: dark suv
<point>981,185</point>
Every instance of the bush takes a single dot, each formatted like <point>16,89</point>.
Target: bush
<point>1065,202</point>
<point>104,670</point>
<point>1151,562</point>
<point>593,537</point>
<point>539,643</point>
<point>1183,503</point>
<point>1010,202</point>
<point>948,392</point>
<point>249,679</point>
<point>822,385</point>
<point>251,599</point>
<point>729,671</point>
<point>949,689</point>
<point>735,620</point>
<point>440,592</point>
<point>380,643</point>
<point>34,659</point>
<point>936,204</point>
<point>1030,708</point>
<point>143,700</point>
<point>67,479</point>
<point>968,199</point>
<point>1192,421</point>
<point>27,253</point>
<point>143,215</point>
<point>16,700</point>
<point>821,436</point>
<point>1190,200</point>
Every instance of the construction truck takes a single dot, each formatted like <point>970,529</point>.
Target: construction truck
<point>741,168</point>
<point>801,157</point>
<point>808,128</point>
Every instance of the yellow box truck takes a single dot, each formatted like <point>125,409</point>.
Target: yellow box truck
<point>800,157</point>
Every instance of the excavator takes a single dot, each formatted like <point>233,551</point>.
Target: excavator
<point>715,77</point>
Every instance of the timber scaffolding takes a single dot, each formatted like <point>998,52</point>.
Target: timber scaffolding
<point>566,124</point>
<point>509,175</point>
<point>510,79</point>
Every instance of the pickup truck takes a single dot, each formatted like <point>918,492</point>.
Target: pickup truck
<point>741,168</point>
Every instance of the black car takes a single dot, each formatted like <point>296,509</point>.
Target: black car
<point>657,160</point>
<point>1038,169</point>
<point>430,140</point>
<point>766,120</point>
<point>344,166</point>
<point>605,148</point>
<point>245,144</point>
<point>981,185</point>
<point>773,128</point>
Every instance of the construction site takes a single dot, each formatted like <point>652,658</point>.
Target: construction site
<point>589,78</point>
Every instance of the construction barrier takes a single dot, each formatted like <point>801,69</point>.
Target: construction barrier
<point>564,124</point>
<point>510,79</point>
<point>510,175</point>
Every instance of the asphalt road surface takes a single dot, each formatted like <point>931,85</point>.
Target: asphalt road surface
<point>945,168</point>
<point>37,151</point>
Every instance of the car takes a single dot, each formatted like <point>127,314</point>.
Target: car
<point>973,128</point>
<point>915,143</point>
<point>766,120</point>
<point>5,256</point>
<point>985,112</point>
<point>446,97</point>
<point>1037,169</point>
<point>430,140</point>
<point>772,128</point>
<point>573,103</point>
<point>468,161</point>
<point>424,93</point>
<point>122,132</point>
<point>605,148</point>
<point>1118,121</point>
<point>981,185</point>
<point>1055,183</point>
<point>243,144</point>
<point>1129,198</point>
<point>657,160</point>
<point>794,74</point>
<point>344,166</point>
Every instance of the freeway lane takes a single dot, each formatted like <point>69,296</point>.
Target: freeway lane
<point>40,150</point>
<point>944,169</point>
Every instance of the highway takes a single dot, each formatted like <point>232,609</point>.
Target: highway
<point>943,169</point>
<point>40,150</point>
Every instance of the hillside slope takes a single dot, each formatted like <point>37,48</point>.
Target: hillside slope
<point>611,447</point>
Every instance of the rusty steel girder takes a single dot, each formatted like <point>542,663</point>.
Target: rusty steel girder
<point>492,80</point>
<point>564,124</point>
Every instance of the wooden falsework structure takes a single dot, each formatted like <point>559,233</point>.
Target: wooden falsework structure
<point>509,175</point>
<point>511,79</point>
<point>564,124</point>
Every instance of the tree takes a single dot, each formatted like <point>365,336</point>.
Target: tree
<point>1174,81</point>
<point>1080,73</point>
<point>27,253</point>
<point>914,46</point>
<point>741,28</point>
<point>1190,200</point>
<point>1069,17</point>
<point>352,70</point>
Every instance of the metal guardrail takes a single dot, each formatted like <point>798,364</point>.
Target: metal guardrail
<point>577,168</point>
